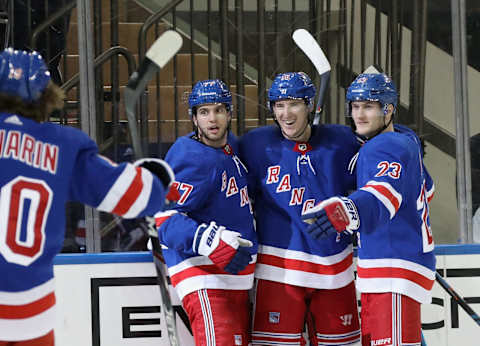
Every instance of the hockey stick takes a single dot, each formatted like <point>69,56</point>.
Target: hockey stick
<point>157,56</point>
<point>162,50</point>
<point>460,301</point>
<point>422,340</point>
<point>307,43</point>
<point>372,69</point>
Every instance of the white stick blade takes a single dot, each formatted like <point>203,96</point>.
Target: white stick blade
<point>307,43</point>
<point>165,47</point>
<point>371,69</point>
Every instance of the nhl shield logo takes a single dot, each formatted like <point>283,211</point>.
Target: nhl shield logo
<point>274,317</point>
<point>227,149</point>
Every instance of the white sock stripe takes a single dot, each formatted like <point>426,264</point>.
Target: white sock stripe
<point>274,343</point>
<point>210,317</point>
<point>353,342</point>
<point>394,329</point>
<point>397,319</point>
<point>207,317</point>
<point>212,325</point>
<point>337,336</point>
<point>254,307</point>
<point>261,336</point>
<point>277,335</point>
<point>400,325</point>
<point>202,305</point>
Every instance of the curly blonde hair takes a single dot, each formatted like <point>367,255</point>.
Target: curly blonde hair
<point>51,99</point>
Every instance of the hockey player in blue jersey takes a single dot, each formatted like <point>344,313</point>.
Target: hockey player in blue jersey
<point>209,234</point>
<point>390,213</point>
<point>42,166</point>
<point>293,165</point>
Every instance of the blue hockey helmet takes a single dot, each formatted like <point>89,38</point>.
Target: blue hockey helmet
<point>291,85</point>
<point>376,87</point>
<point>23,74</point>
<point>209,91</point>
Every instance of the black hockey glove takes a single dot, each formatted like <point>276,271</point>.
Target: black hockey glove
<point>163,172</point>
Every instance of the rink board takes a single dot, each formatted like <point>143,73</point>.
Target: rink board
<point>113,299</point>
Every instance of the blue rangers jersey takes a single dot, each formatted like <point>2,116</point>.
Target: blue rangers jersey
<point>43,165</point>
<point>395,251</point>
<point>213,187</point>
<point>288,177</point>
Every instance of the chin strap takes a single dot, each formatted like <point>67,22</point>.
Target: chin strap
<point>363,139</point>
<point>380,130</point>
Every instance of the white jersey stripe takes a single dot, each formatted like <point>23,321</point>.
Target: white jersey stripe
<point>28,328</point>
<point>141,202</point>
<point>430,193</point>
<point>303,256</point>
<point>401,286</point>
<point>28,296</point>
<point>304,279</point>
<point>118,189</point>
<point>391,199</point>
<point>396,263</point>
<point>195,262</point>
<point>214,281</point>
<point>163,216</point>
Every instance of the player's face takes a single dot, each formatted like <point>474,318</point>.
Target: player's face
<point>212,122</point>
<point>368,117</point>
<point>292,117</point>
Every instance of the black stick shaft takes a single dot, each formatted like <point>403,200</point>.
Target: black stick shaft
<point>134,89</point>
<point>457,298</point>
<point>324,82</point>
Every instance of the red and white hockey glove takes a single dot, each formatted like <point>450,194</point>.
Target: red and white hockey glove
<point>226,249</point>
<point>164,173</point>
<point>330,216</point>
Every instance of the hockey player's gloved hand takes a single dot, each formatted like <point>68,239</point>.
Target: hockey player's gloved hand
<point>164,173</point>
<point>225,248</point>
<point>333,215</point>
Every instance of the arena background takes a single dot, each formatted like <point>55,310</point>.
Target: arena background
<point>429,47</point>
